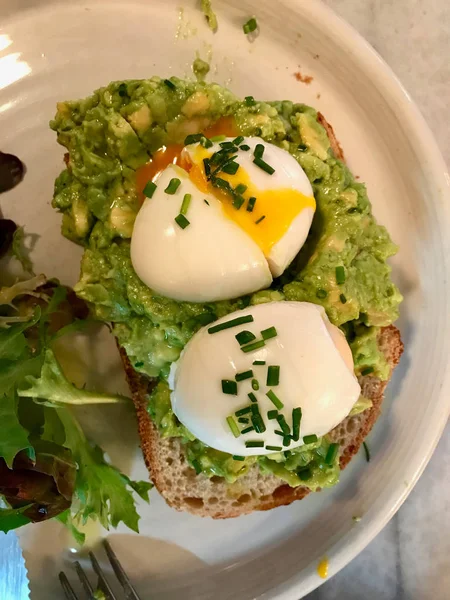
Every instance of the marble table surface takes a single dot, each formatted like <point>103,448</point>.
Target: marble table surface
<point>410,558</point>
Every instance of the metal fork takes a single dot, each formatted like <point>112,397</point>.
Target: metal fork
<point>103,585</point>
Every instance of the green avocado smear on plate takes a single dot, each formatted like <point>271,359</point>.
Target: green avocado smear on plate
<point>112,133</point>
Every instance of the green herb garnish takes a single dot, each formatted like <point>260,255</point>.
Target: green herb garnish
<point>273,375</point>
<point>367,371</point>
<point>259,162</point>
<point>321,294</point>
<point>251,204</point>
<point>229,387</point>
<point>296,418</point>
<point>255,385</point>
<point>332,452</point>
<point>185,204</point>
<point>244,375</point>
<point>174,184</point>
<point>274,399</point>
<point>254,346</point>
<point>340,275</point>
<point>170,84</point>
<point>240,458</point>
<point>245,337</point>
<point>268,333</point>
<point>233,426</point>
<point>274,448</point>
<point>149,189</point>
<point>310,439</point>
<point>182,221</point>
<point>342,298</point>
<point>254,444</point>
<point>232,323</point>
<point>250,26</point>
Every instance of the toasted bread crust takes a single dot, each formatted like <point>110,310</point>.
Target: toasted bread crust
<point>166,460</point>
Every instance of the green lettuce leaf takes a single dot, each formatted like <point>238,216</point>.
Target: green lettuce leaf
<point>21,288</point>
<point>12,518</point>
<point>13,437</point>
<point>20,252</point>
<point>102,492</point>
<point>52,386</point>
<point>66,519</point>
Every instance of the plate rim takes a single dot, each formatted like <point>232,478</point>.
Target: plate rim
<point>305,581</point>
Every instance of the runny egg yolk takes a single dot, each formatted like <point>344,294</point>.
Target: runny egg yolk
<point>274,211</point>
<point>276,207</point>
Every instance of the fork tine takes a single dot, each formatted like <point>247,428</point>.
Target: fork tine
<point>84,580</point>
<point>102,580</point>
<point>120,573</point>
<point>68,590</point>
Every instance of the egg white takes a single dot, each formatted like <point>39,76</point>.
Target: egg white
<point>211,259</point>
<point>316,374</point>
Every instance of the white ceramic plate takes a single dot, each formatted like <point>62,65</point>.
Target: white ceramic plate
<point>51,50</point>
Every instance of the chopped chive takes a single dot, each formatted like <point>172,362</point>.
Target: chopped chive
<point>218,138</point>
<point>273,375</point>
<point>321,294</point>
<point>182,221</point>
<point>240,188</point>
<point>252,397</point>
<point>248,429</point>
<point>243,411</point>
<point>274,399</point>
<point>332,451</point>
<point>251,204</point>
<point>340,275</point>
<point>268,333</point>
<point>367,451</point>
<point>259,162</point>
<point>342,298</point>
<point>138,364</point>
<point>254,444</point>
<point>278,432</point>
<point>258,423</point>
<point>283,425</point>
<point>174,184</point>
<point>287,453</point>
<point>260,219</point>
<point>207,167</point>
<point>249,100</point>
<point>259,362</point>
<point>149,189</point>
<point>244,375</point>
<point>241,458</point>
<point>169,84</point>
<point>122,89</point>
<point>232,323</point>
<point>205,201</point>
<point>287,440</point>
<point>229,146</point>
<point>302,147</point>
<point>255,385</point>
<point>229,387</point>
<point>272,414</point>
<point>305,474</point>
<point>245,337</point>
<point>367,371</point>
<point>238,202</point>
<point>296,418</point>
<point>310,439</point>
<point>231,168</point>
<point>244,147</point>
<point>222,184</point>
<point>259,151</point>
<point>205,142</point>
<point>254,346</point>
<point>238,140</point>
<point>185,204</point>
<point>274,448</point>
<point>250,26</point>
<point>243,420</point>
<point>233,426</point>
<point>197,466</point>
<point>193,138</point>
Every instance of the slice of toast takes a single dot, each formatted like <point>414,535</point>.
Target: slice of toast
<point>184,490</point>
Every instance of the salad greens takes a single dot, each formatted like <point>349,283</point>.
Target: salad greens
<point>47,466</point>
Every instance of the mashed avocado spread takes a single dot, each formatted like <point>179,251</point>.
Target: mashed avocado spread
<point>116,131</point>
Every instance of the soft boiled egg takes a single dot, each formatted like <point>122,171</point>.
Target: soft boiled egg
<point>297,358</point>
<point>225,244</point>
<point>211,259</point>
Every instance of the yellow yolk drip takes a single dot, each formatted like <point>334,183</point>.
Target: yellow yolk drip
<point>322,568</point>
<point>279,207</point>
